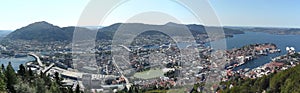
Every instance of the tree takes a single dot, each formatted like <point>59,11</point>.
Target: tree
<point>24,88</point>
<point>30,76</point>
<point>2,74</point>
<point>54,88</point>
<point>77,90</point>
<point>2,82</point>
<point>57,78</point>
<point>70,90</point>
<point>30,72</point>
<point>40,85</point>
<point>11,77</point>
<point>2,67</point>
<point>47,80</point>
<point>22,71</point>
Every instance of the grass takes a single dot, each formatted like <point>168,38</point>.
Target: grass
<point>149,74</point>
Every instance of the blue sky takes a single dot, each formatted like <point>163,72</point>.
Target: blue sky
<point>271,13</point>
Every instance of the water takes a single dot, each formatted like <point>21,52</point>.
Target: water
<point>282,41</point>
<point>15,62</point>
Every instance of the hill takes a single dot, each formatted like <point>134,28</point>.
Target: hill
<point>195,29</point>
<point>46,32</point>
<point>43,32</point>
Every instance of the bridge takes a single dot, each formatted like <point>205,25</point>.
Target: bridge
<point>128,49</point>
<point>37,58</point>
<point>43,67</point>
<point>46,69</point>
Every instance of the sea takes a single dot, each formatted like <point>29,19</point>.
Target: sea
<point>281,41</point>
<point>15,62</point>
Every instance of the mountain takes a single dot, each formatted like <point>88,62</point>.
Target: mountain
<point>270,30</point>
<point>4,33</point>
<point>194,28</point>
<point>46,32</point>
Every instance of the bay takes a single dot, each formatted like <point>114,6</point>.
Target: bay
<point>282,41</point>
<point>15,62</point>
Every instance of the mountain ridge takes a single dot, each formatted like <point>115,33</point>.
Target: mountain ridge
<point>47,32</point>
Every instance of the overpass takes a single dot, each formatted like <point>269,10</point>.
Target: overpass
<point>37,58</point>
<point>44,68</point>
<point>128,49</point>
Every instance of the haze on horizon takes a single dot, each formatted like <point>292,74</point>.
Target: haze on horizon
<point>262,13</point>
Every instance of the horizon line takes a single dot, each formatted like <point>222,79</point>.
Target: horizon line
<point>241,26</point>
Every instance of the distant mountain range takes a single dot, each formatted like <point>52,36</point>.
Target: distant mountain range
<point>270,30</point>
<point>46,32</point>
<point>3,33</point>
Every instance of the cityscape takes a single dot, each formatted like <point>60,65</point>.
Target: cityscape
<point>163,55</point>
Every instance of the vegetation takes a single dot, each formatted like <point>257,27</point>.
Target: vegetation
<point>287,81</point>
<point>25,81</point>
<point>139,89</point>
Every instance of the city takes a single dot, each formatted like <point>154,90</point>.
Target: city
<point>153,46</point>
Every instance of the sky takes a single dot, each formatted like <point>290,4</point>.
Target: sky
<point>263,13</point>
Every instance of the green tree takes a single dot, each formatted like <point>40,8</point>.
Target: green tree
<point>2,82</point>
<point>77,90</point>
<point>40,85</point>
<point>30,76</point>
<point>24,88</point>
<point>264,82</point>
<point>2,67</point>
<point>70,90</point>
<point>47,79</point>
<point>11,77</point>
<point>57,78</point>
<point>30,73</point>
<point>54,88</point>
<point>22,71</point>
